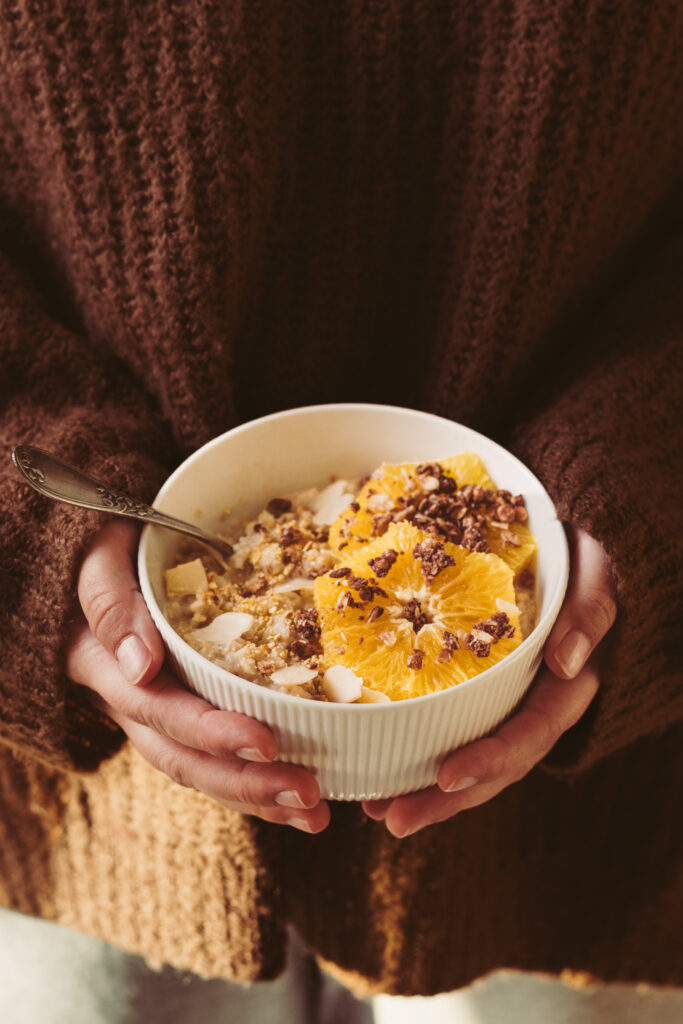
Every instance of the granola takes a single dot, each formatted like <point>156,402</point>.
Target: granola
<point>258,619</point>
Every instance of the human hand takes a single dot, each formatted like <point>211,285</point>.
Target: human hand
<point>115,650</point>
<point>556,701</point>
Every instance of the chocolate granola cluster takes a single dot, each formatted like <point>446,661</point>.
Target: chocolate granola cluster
<point>488,632</point>
<point>366,590</point>
<point>460,515</point>
<point>306,630</point>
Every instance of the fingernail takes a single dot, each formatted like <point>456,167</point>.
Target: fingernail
<point>379,815</point>
<point>572,652</point>
<point>300,823</point>
<point>251,754</point>
<point>289,798</point>
<point>464,783</point>
<point>408,832</point>
<point>133,658</point>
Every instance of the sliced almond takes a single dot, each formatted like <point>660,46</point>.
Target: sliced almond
<point>368,696</point>
<point>342,685</point>
<point>293,675</point>
<point>225,628</point>
<point>506,606</point>
<point>295,583</point>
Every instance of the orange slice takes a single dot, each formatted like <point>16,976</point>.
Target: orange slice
<point>402,613</point>
<point>389,493</point>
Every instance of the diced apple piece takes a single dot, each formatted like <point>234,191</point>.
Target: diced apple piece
<point>187,578</point>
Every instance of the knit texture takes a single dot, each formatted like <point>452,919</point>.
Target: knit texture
<point>211,211</point>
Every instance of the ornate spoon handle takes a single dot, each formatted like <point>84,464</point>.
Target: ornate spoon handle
<point>56,479</point>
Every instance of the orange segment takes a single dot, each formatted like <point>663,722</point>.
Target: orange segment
<point>388,606</point>
<point>383,498</point>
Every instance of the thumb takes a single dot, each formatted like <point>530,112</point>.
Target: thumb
<point>589,608</point>
<point>113,605</point>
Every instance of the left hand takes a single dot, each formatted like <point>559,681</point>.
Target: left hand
<point>556,701</point>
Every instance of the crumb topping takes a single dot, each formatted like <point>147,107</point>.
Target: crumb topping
<point>416,658</point>
<point>412,611</point>
<point>383,563</point>
<point>486,633</point>
<point>461,516</point>
<point>278,506</point>
<point>433,556</point>
<point>258,618</point>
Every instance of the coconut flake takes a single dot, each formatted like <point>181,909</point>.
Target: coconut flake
<point>380,502</point>
<point>224,628</point>
<point>506,606</point>
<point>342,685</point>
<point>293,675</point>
<point>278,626</point>
<point>368,696</point>
<point>187,578</point>
<point>331,502</point>
<point>295,583</point>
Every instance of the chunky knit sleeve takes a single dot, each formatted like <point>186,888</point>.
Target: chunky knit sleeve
<point>57,392</point>
<point>611,454</point>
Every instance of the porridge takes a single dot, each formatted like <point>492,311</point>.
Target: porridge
<point>393,586</point>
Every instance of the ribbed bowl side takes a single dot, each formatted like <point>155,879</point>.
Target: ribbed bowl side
<point>363,752</point>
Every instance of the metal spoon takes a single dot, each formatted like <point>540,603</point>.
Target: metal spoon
<point>58,480</point>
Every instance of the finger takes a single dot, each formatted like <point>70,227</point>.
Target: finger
<point>551,707</point>
<point>589,608</point>
<point>478,772</point>
<point>406,815</point>
<point>240,785</point>
<point>165,706</point>
<point>377,809</point>
<point>113,605</point>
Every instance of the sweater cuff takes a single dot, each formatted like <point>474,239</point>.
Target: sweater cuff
<point>44,714</point>
<point>640,692</point>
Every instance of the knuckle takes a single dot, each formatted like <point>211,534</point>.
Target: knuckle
<point>148,707</point>
<point>499,756</point>
<point>242,788</point>
<point>548,730</point>
<point>173,764</point>
<point>600,611</point>
<point>149,717</point>
<point>107,612</point>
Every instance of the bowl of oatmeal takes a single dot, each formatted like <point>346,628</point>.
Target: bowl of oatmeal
<point>393,579</point>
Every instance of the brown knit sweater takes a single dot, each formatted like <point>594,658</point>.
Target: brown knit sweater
<point>211,210</point>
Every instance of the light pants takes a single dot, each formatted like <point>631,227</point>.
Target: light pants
<point>50,975</point>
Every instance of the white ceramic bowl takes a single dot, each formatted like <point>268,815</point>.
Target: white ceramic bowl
<point>356,751</point>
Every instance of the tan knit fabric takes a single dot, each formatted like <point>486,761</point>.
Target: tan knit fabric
<point>213,210</point>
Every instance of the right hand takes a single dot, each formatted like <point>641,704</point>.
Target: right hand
<point>115,650</point>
